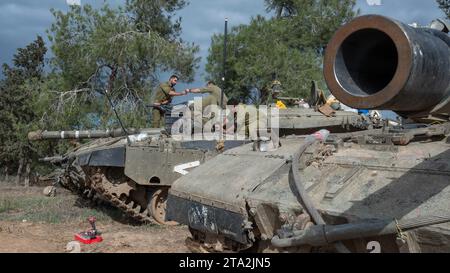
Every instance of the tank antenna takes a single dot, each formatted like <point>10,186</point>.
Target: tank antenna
<point>224,62</point>
<point>117,116</point>
<point>223,74</point>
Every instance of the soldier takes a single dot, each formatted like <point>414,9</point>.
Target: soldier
<point>162,98</point>
<point>274,90</point>
<point>214,96</point>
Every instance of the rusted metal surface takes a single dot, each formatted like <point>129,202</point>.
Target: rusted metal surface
<point>377,62</point>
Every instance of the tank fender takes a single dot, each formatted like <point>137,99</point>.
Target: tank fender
<point>113,157</point>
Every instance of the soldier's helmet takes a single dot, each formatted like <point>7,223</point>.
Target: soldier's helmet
<point>276,86</point>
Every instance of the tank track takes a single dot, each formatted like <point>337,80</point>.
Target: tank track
<point>89,184</point>
<point>73,179</point>
<point>120,199</point>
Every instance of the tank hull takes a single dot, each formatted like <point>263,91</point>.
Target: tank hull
<point>351,183</point>
<point>135,175</point>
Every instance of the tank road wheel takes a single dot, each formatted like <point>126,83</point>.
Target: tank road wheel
<point>158,207</point>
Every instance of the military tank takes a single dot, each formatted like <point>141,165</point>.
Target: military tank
<point>378,190</point>
<point>131,170</point>
<point>134,169</point>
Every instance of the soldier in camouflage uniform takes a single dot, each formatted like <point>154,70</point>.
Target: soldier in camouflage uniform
<point>274,90</point>
<point>273,98</point>
<point>162,97</point>
<point>214,96</point>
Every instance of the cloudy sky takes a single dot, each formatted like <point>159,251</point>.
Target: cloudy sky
<point>22,20</point>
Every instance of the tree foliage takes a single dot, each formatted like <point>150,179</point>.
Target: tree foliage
<point>280,7</point>
<point>290,44</point>
<point>17,114</point>
<point>444,5</point>
<point>157,16</point>
<point>121,50</point>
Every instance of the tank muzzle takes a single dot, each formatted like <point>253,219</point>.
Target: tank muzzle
<point>375,62</point>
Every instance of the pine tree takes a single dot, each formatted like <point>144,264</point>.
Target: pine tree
<point>17,114</point>
<point>444,5</point>
<point>122,50</point>
<point>290,45</point>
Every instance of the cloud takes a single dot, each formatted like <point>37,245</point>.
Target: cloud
<point>203,18</point>
<point>74,2</point>
<point>407,11</point>
<point>23,20</point>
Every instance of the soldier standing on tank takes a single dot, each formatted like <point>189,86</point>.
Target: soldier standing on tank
<point>214,94</point>
<point>214,98</point>
<point>162,97</point>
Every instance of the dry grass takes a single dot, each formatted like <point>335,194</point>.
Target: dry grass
<point>18,204</point>
<point>51,223</point>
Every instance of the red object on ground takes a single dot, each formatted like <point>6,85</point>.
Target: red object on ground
<point>87,239</point>
<point>91,236</point>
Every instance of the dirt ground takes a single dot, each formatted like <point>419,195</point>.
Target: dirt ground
<point>31,222</point>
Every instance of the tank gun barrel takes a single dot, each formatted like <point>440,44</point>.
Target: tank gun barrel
<point>53,159</point>
<point>320,235</point>
<point>87,134</point>
<point>375,62</point>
